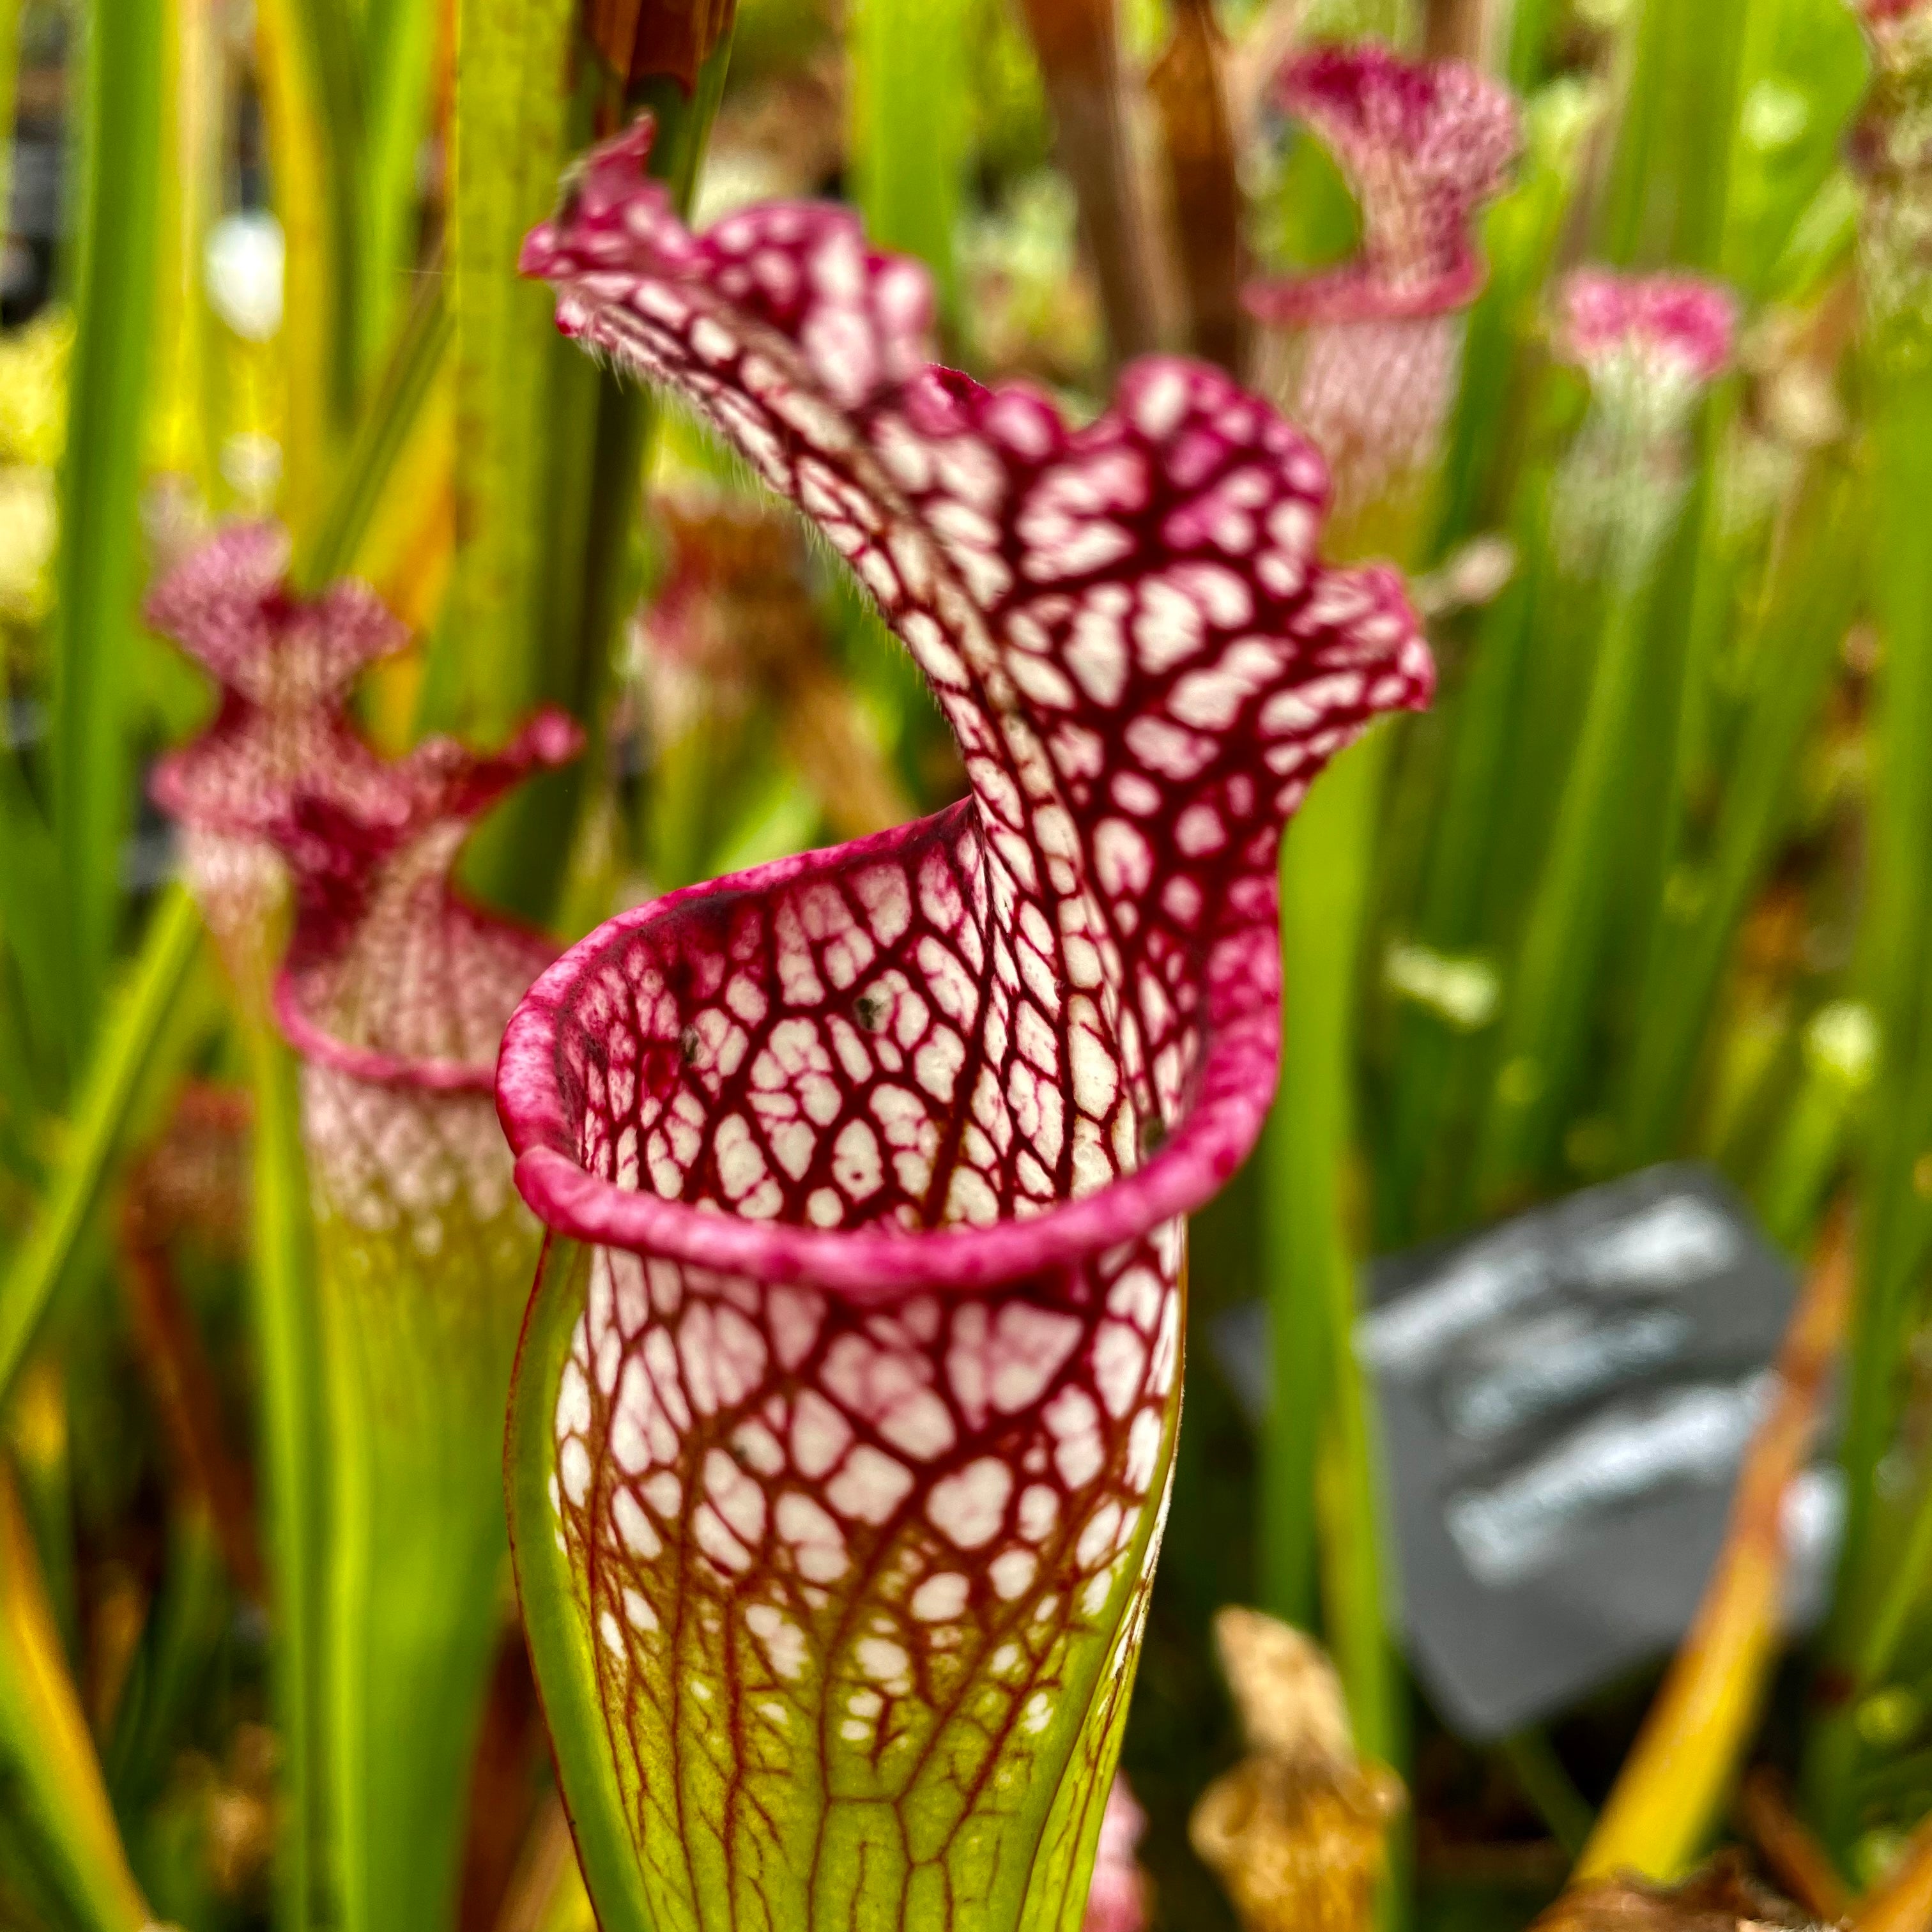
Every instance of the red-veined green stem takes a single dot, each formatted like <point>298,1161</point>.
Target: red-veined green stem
<point>571,1700</point>
<point>98,569</point>
<point>44,1733</point>
<point>968,1816</point>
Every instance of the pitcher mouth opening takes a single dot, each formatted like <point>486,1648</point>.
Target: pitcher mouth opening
<point>1216,1128</point>
<point>408,1073</point>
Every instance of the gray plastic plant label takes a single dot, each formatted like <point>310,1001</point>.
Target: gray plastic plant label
<point>1565,1401</point>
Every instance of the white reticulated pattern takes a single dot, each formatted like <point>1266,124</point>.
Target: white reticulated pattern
<point>862,1550</point>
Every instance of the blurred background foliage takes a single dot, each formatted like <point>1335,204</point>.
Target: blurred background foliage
<point>259,258</point>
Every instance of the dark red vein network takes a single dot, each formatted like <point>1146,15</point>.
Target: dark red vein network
<point>862,1439</point>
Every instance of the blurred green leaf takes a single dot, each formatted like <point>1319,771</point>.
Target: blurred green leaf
<point>1311,1249</point>
<point>105,1092</point>
<point>44,1734</point>
<point>305,193</point>
<point>288,1343</point>
<point>324,38</point>
<point>30,883</point>
<point>549,449</point>
<point>907,59</point>
<point>1665,199</point>
<point>98,569</point>
<point>1521,232</point>
<point>398,41</point>
<point>1802,71</point>
<point>10,73</point>
<point>382,433</point>
<point>1899,936</point>
<point>1799,617</point>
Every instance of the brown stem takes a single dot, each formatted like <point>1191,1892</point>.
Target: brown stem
<point>1076,42</point>
<point>1455,29</point>
<point>1188,90</point>
<point>501,1790</point>
<point>188,1403</point>
<point>1791,1855</point>
<point>826,733</point>
<point>638,38</point>
<point>1674,1776</point>
<point>547,1893</point>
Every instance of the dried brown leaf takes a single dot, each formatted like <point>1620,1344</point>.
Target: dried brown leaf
<point>1297,1832</point>
<point>1674,1779</point>
<point>1719,1898</point>
<point>640,38</point>
<point>1188,89</point>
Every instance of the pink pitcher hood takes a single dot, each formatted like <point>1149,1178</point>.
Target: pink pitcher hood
<point>1672,328</point>
<point>285,664</point>
<point>1044,1021</point>
<point>393,977</point>
<point>1423,144</point>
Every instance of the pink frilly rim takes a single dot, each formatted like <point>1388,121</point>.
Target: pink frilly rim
<point>315,1042</point>
<point>1423,145</point>
<point>1213,1135</point>
<point>440,780</point>
<point>284,664</point>
<point>1681,321</point>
